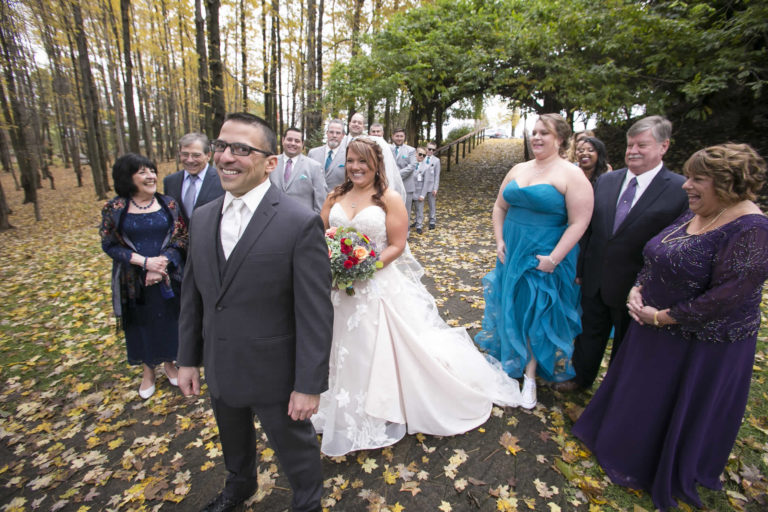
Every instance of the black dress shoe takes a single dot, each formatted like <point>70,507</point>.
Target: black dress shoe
<point>431,226</point>
<point>222,503</point>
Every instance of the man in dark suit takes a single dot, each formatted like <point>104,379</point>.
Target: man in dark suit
<point>297,175</point>
<point>256,312</point>
<point>198,183</point>
<point>631,206</point>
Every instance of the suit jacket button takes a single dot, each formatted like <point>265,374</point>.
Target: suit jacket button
<point>219,308</point>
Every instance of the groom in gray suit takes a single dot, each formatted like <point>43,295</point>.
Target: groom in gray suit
<point>256,312</point>
<point>197,183</point>
<point>333,155</point>
<point>297,175</point>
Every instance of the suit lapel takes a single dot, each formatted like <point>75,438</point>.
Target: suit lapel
<point>208,227</point>
<point>613,187</point>
<point>205,189</point>
<point>259,221</point>
<point>655,188</point>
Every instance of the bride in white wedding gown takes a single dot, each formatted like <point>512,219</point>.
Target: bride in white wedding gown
<point>395,365</point>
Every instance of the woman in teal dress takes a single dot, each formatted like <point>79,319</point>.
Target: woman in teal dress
<point>531,299</point>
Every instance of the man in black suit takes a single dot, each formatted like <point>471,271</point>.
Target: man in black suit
<point>256,312</point>
<point>631,206</point>
<point>197,183</point>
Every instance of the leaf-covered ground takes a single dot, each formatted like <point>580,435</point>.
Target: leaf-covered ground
<point>75,436</point>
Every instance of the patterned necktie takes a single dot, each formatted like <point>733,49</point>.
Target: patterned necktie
<point>625,204</point>
<point>189,196</point>
<point>231,226</point>
<point>328,160</point>
<point>288,168</point>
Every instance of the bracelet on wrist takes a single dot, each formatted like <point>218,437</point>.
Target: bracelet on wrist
<point>145,263</point>
<point>656,322</point>
<point>554,264</point>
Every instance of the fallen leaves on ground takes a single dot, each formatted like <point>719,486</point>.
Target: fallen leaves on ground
<point>75,436</point>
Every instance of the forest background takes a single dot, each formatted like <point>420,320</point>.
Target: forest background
<point>83,82</point>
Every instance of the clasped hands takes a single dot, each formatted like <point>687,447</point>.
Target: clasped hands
<point>157,270</point>
<point>639,312</point>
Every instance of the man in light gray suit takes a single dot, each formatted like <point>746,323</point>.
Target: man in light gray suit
<point>256,312</point>
<point>197,183</point>
<point>405,156</point>
<point>376,130</point>
<point>433,162</point>
<point>297,175</point>
<point>333,155</point>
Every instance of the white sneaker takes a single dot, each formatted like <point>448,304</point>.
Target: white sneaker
<point>529,393</point>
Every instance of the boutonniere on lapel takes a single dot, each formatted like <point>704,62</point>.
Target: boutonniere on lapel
<point>303,177</point>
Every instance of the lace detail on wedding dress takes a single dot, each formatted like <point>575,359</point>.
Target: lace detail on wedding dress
<point>395,365</point>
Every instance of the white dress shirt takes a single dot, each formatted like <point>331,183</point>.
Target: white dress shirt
<point>643,180</point>
<point>251,200</point>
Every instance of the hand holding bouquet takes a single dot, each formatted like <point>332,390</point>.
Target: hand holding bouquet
<point>353,257</point>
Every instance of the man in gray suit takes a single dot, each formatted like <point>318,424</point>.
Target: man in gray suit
<point>356,126</point>
<point>405,156</point>
<point>256,312</point>
<point>433,162</point>
<point>297,175</point>
<point>333,155</point>
<point>197,183</point>
<point>376,130</point>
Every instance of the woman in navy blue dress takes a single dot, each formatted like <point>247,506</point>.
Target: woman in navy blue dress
<point>667,414</point>
<point>144,234</point>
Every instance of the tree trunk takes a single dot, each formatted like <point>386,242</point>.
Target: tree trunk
<point>243,56</point>
<point>319,50</point>
<point>204,114</point>
<point>130,110</point>
<point>14,110</point>
<point>91,106</point>
<point>144,112</point>
<point>265,61</point>
<point>218,108</point>
<point>439,126</point>
<point>113,64</point>
<point>184,91</point>
<point>5,211</point>
<point>312,115</point>
<point>272,119</point>
<point>279,66</point>
<point>171,89</point>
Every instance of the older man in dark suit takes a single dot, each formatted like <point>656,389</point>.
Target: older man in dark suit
<point>256,312</point>
<point>631,206</point>
<point>197,183</point>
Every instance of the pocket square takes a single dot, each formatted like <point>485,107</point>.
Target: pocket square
<point>341,165</point>
<point>303,177</point>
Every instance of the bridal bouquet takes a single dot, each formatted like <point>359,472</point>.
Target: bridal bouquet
<point>353,257</point>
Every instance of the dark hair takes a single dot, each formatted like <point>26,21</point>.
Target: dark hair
<point>371,151</point>
<point>737,171</point>
<point>601,166</point>
<point>270,139</point>
<point>398,130</point>
<point>293,129</point>
<point>124,169</point>
<point>557,124</point>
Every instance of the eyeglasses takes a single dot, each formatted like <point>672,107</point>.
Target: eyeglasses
<point>236,148</point>
<point>431,149</point>
<point>185,155</point>
<point>421,154</point>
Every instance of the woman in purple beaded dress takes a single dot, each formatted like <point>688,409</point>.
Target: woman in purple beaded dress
<point>666,416</point>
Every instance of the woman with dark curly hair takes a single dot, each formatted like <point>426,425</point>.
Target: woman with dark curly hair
<point>666,416</point>
<point>395,365</point>
<point>144,234</point>
<point>592,158</point>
